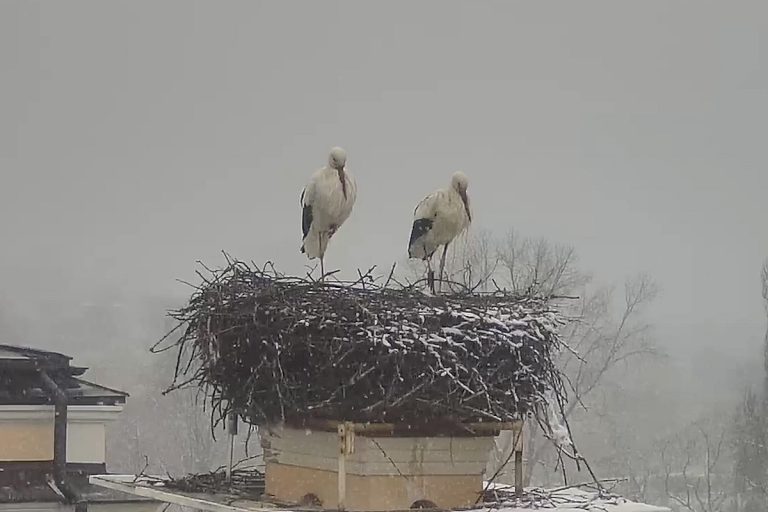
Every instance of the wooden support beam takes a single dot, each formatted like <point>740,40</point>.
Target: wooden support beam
<point>436,429</point>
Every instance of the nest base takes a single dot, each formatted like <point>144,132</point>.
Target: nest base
<point>365,467</point>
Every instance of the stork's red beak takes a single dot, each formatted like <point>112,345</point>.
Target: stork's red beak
<point>343,181</point>
<point>465,200</point>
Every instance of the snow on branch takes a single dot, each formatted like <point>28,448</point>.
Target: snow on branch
<point>271,347</point>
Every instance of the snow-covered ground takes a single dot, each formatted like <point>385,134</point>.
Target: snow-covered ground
<point>563,500</point>
<point>572,500</point>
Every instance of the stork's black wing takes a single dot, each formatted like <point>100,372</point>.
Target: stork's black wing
<point>306,219</point>
<point>306,215</point>
<point>419,229</point>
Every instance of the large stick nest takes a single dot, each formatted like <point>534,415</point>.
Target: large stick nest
<point>271,347</point>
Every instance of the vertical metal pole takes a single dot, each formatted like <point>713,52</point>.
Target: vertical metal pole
<point>342,470</point>
<point>518,433</point>
<point>346,432</point>
<point>232,428</point>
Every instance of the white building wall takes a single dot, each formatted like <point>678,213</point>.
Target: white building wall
<point>26,432</point>
<point>86,442</point>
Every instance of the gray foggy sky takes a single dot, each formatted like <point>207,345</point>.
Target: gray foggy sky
<point>137,137</point>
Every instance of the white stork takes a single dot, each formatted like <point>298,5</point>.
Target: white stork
<point>326,202</point>
<point>438,219</point>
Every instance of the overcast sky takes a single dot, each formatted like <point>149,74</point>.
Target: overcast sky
<point>137,137</point>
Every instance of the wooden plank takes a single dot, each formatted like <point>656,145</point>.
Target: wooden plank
<point>436,429</point>
<point>384,466</point>
<point>376,455</point>
<point>325,444</point>
<point>462,447</point>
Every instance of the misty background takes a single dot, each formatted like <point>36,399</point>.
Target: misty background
<point>138,137</point>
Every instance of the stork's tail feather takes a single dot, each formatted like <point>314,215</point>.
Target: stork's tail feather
<point>311,246</point>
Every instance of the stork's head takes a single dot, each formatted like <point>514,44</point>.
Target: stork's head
<point>459,182</point>
<point>337,159</point>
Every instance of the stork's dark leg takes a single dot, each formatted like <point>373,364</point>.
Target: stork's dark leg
<point>430,275</point>
<point>321,246</point>
<point>442,268</point>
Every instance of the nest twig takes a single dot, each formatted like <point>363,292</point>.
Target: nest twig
<point>244,482</point>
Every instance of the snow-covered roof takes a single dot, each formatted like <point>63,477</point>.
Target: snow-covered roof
<point>20,381</point>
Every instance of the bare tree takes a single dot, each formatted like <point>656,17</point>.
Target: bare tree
<point>600,344</point>
<point>474,261</point>
<point>600,341</point>
<point>171,433</point>
<point>695,468</point>
<point>750,434</point>
<point>764,289</point>
<point>520,265</point>
<point>750,453</point>
<point>538,267</point>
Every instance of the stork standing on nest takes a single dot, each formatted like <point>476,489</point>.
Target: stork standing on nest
<point>438,219</point>
<point>326,202</point>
